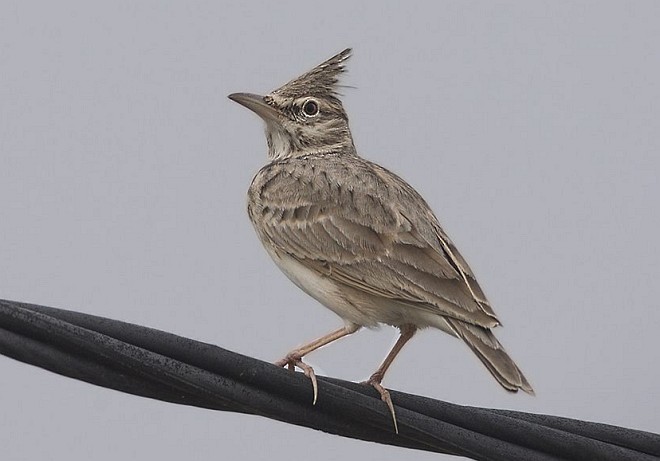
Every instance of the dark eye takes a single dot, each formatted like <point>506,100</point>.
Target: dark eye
<point>310,108</point>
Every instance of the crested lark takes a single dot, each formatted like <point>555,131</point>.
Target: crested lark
<point>355,236</point>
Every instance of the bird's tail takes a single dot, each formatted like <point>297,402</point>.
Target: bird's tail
<point>492,354</point>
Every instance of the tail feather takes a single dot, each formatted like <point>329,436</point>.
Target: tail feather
<point>489,350</point>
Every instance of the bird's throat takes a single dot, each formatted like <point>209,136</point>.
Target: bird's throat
<point>283,144</point>
<point>280,143</point>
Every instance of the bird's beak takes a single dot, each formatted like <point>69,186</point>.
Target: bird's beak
<point>256,104</point>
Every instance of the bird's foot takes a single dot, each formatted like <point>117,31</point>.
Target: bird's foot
<point>374,381</point>
<point>293,360</point>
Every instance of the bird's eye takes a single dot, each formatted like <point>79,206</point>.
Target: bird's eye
<point>310,108</point>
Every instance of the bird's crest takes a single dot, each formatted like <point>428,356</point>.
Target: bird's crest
<point>321,81</point>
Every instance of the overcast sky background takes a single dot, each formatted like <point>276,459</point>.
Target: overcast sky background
<point>532,129</point>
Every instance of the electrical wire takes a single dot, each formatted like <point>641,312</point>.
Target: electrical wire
<point>159,365</point>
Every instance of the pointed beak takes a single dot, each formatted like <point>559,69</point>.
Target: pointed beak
<point>256,104</point>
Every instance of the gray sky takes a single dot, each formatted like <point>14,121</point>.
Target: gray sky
<point>530,127</point>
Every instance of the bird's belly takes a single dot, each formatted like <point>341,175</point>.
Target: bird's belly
<point>352,306</point>
<point>322,289</point>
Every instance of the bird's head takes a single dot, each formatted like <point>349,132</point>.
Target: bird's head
<point>304,116</point>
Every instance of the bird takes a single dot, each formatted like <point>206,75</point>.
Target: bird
<point>355,236</point>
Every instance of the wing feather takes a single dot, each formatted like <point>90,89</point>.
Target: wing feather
<point>364,227</point>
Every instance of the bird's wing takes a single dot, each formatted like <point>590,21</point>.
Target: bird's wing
<point>360,225</point>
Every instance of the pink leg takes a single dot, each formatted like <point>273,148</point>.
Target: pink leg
<point>294,358</point>
<point>407,332</point>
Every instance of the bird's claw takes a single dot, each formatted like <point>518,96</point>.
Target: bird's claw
<point>292,361</point>
<point>385,397</point>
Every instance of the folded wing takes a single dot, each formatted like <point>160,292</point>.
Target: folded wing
<point>362,226</point>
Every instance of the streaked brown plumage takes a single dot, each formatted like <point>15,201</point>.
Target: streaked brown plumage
<point>357,237</point>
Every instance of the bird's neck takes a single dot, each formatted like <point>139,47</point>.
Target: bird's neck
<point>282,144</point>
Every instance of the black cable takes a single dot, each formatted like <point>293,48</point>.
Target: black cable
<point>159,365</point>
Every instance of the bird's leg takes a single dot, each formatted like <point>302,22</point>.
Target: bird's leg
<point>407,332</point>
<point>294,358</point>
